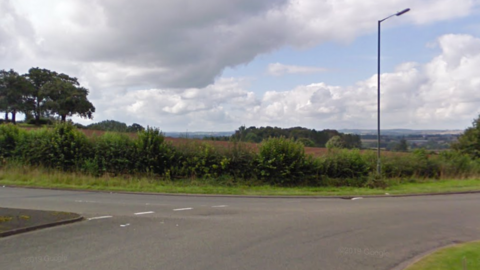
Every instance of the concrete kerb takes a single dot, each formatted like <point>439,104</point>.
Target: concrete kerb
<point>41,226</point>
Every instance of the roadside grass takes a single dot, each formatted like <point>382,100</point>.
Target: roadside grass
<point>27,176</point>
<point>463,256</point>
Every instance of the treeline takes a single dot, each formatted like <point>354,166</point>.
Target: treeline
<point>112,125</point>
<point>277,161</point>
<point>308,137</point>
<point>42,93</point>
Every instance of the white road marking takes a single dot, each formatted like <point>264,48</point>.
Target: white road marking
<point>102,217</point>
<point>182,209</point>
<point>144,213</point>
<point>219,206</point>
<point>124,225</point>
<point>356,198</point>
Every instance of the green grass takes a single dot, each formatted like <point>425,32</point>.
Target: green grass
<point>19,175</point>
<point>462,257</point>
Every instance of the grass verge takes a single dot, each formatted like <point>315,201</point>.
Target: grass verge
<point>463,256</point>
<point>38,177</point>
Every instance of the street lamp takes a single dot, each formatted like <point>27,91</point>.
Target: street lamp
<point>378,89</point>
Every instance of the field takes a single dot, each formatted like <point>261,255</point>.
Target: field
<point>315,151</point>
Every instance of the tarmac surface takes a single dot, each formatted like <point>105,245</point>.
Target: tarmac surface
<point>128,231</point>
<point>14,221</point>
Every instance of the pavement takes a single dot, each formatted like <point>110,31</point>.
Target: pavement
<point>15,221</point>
<point>129,231</point>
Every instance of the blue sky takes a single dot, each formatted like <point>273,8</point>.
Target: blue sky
<point>353,61</point>
<point>215,65</point>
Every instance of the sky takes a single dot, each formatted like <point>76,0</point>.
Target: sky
<point>215,65</point>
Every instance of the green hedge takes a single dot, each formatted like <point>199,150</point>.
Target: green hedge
<point>278,161</point>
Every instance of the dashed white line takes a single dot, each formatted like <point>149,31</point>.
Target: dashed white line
<point>356,198</point>
<point>219,206</point>
<point>182,209</point>
<point>102,217</point>
<point>144,213</point>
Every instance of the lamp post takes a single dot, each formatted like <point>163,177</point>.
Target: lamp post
<point>379,169</point>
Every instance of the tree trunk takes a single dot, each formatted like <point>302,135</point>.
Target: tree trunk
<point>37,114</point>
<point>64,117</point>
<point>14,114</point>
<point>6,116</point>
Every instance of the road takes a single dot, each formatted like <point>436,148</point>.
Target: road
<point>131,231</point>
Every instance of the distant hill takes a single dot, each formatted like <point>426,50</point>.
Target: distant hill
<point>402,132</point>
<point>198,134</point>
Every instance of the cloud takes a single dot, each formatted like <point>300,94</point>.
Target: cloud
<point>441,93</point>
<point>278,69</point>
<point>184,44</point>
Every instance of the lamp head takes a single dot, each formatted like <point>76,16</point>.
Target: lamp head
<point>403,12</point>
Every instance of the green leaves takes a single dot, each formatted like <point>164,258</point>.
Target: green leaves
<point>283,161</point>
<point>469,141</point>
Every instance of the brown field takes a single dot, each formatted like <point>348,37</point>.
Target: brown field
<point>315,151</point>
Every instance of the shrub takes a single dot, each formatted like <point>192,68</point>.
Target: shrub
<point>336,142</point>
<point>283,161</point>
<point>417,164</point>
<point>63,147</point>
<point>153,154</point>
<point>239,161</point>
<point>346,164</point>
<point>41,121</point>
<point>196,159</point>
<point>114,153</point>
<point>9,138</point>
<point>306,142</point>
<point>457,164</point>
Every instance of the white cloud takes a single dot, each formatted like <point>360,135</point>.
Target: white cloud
<point>180,43</point>
<point>277,69</point>
<point>441,93</point>
<point>178,49</point>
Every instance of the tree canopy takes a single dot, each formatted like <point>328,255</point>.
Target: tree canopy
<point>304,135</point>
<point>112,125</point>
<point>14,93</point>
<point>43,92</point>
<point>469,141</point>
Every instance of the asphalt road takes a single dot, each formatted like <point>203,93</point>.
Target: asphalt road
<point>125,231</point>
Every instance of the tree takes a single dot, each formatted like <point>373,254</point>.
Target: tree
<point>109,125</point>
<point>469,141</point>
<point>65,97</point>
<point>402,146</point>
<point>58,94</point>
<point>14,93</point>
<point>335,142</point>
<point>306,142</point>
<point>135,128</point>
<point>39,78</point>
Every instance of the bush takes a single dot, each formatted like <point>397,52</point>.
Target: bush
<point>63,147</point>
<point>114,153</point>
<point>417,164</point>
<point>153,154</point>
<point>283,161</point>
<point>336,142</point>
<point>239,161</point>
<point>346,164</point>
<point>306,142</point>
<point>456,164</point>
<point>197,159</point>
<point>41,121</point>
<point>9,137</point>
